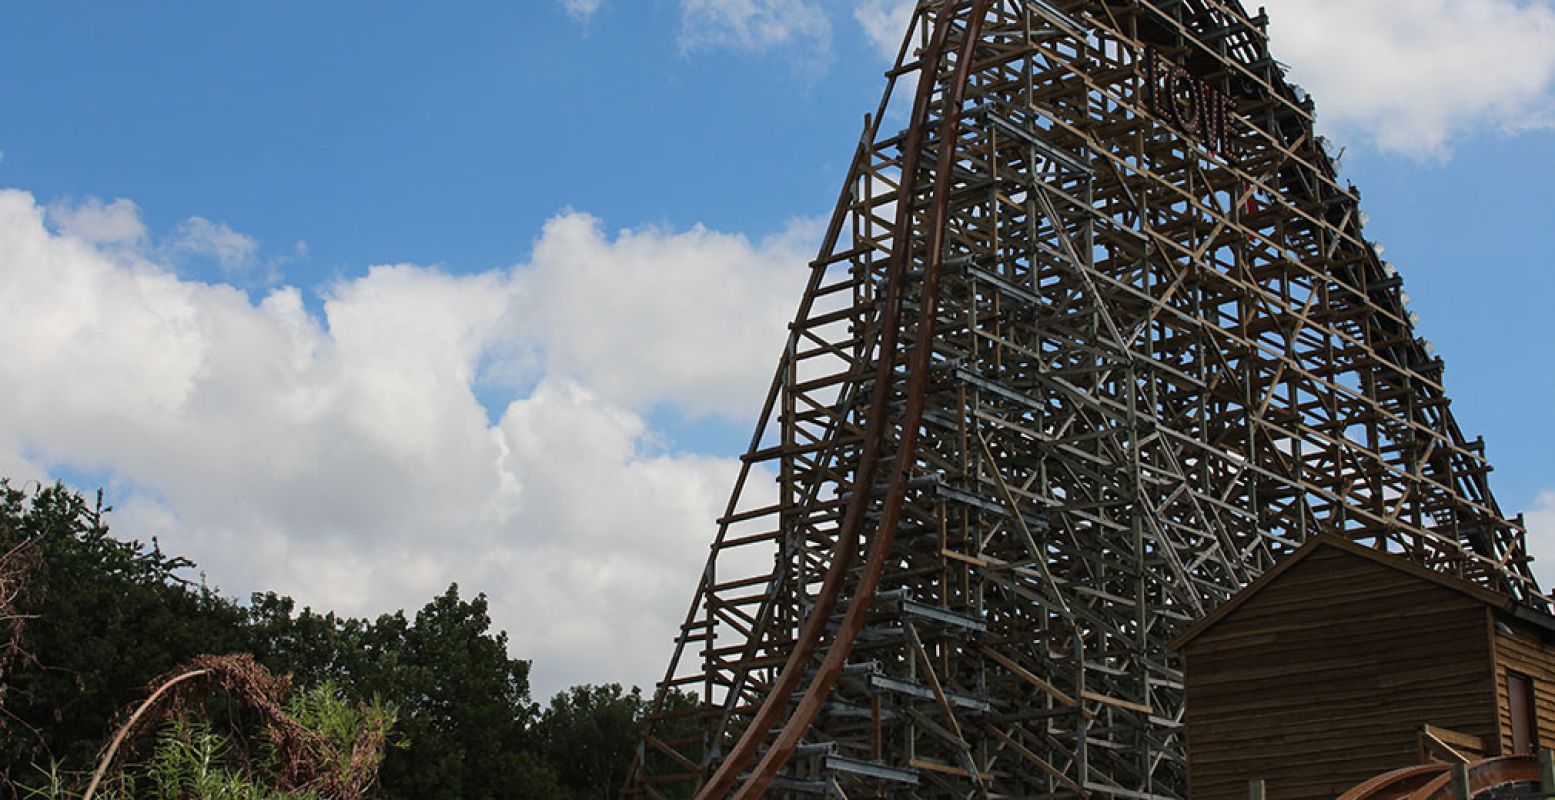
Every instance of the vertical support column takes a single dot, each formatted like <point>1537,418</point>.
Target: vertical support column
<point>1081,723</point>
<point>1460,782</point>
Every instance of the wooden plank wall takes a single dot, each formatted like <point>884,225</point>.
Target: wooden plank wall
<point>1323,679</point>
<point>1525,651</point>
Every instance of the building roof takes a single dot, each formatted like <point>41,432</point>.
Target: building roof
<point>1490,598</point>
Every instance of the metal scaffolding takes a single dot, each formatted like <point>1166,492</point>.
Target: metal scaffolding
<point>1091,342</point>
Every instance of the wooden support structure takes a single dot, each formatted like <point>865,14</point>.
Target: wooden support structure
<point>1460,782</point>
<point>1092,342</point>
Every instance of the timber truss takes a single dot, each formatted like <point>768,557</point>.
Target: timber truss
<point>1091,342</point>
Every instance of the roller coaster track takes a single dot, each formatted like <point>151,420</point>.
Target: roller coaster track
<point>1434,781</point>
<point>782,746</point>
<point>1063,378</point>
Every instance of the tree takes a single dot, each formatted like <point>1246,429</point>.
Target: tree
<point>464,705</point>
<point>317,747</point>
<point>105,619</point>
<point>589,733</point>
<point>314,648</point>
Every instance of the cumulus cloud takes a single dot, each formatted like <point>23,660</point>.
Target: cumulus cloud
<point>885,23</point>
<point>231,250</point>
<point>581,10</point>
<point>92,220</point>
<point>653,315</point>
<point>344,458</point>
<point>1410,80</point>
<point>1541,539</point>
<point>754,25</point>
<point>1407,82</point>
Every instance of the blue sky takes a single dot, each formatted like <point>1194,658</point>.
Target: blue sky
<point>380,132</point>
<point>351,300</point>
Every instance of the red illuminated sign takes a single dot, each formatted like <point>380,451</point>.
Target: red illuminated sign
<point>1200,112</point>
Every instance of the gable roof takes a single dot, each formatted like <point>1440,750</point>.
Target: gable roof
<point>1490,598</point>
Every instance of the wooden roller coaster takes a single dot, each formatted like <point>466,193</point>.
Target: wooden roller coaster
<point>1505,777</point>
<point>1093,341</point>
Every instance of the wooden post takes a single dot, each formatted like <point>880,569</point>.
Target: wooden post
<point>1255,790</point>
<point>1460,782</point>
<point>1547,772</point>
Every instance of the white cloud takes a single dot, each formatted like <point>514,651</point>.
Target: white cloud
<point>199,236</point>
<point>345,460</point>
<point>1412,80</point>
<point>885,23</point>
<point>755,25</point>
<point>581,10</point>
<point>116,223</point>
<point>1541,539</point>
<point>1407,82</point>
<point>692,318</point>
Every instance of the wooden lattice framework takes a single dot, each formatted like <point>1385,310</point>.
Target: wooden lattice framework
<point>1093,340</point>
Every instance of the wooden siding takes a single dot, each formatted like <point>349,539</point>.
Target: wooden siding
<point>1323,678</point>
<point>1525,651</point>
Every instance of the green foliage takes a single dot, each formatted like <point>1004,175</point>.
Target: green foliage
<point>191,762</point>
<point>108,618</point>
<point>589,733</point>
<point>352,735</point>
<point>464,705</point>
<point>112,616</point>
<point>314,648</point>
<point>47,783</point>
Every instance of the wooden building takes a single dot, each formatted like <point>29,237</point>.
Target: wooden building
<point>1344,662</point>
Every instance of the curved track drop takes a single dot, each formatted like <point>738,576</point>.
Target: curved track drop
<point>1065,375</point>
<point>1487,778</point>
